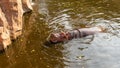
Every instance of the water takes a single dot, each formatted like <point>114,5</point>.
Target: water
<point>98,51</point>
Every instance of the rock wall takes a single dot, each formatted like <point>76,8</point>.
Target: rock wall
<point>11,12</point>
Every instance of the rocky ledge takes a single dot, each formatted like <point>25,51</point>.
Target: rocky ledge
<point>11,12</point>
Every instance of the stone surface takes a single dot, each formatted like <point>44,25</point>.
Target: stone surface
<point>26,5</point>
<point>11,12</point>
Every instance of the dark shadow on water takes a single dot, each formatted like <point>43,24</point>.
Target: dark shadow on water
<point>51,44</point>
<point>2,52</point>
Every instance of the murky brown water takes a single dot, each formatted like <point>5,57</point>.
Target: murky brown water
<point>98,51</point>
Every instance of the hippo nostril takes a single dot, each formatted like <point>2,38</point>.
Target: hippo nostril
<point>53,38</point>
